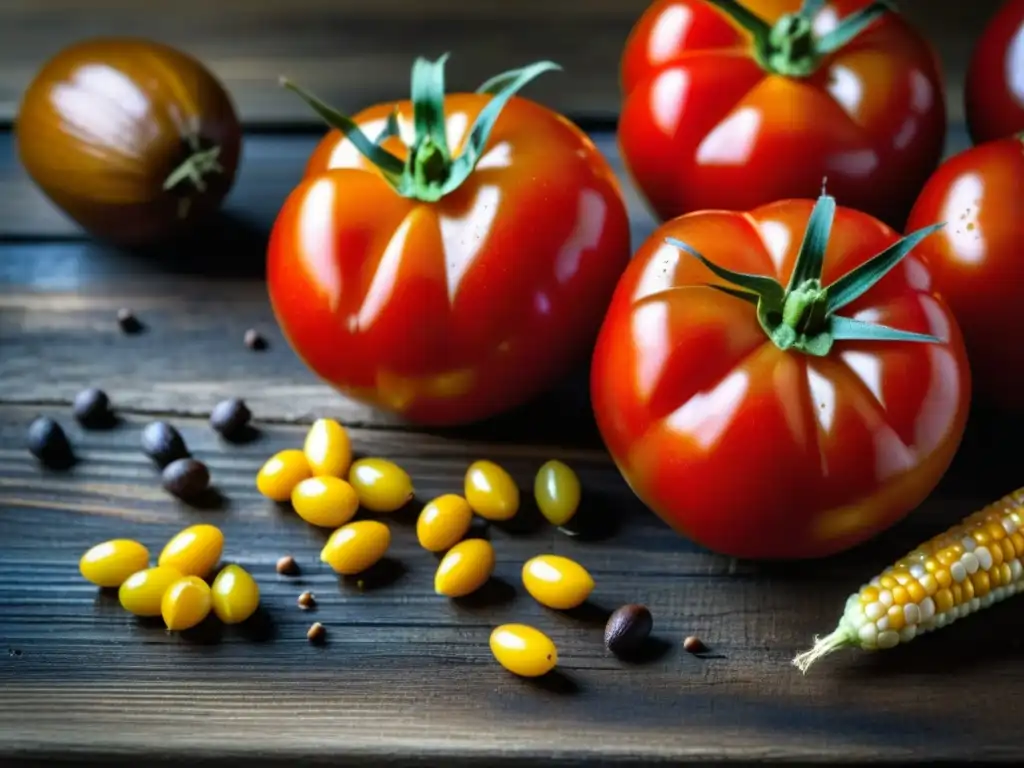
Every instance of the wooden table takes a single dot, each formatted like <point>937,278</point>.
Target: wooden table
<point>405,676</point>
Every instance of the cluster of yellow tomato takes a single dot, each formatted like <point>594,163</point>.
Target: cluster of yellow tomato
<point>176,587</point>
<point>326,488</point>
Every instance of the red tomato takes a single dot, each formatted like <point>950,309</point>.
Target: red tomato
<point>452,310</point>
<point>977,259</point>
<point>708,122</point>
<point>756,449</point>
<point>994,88</point>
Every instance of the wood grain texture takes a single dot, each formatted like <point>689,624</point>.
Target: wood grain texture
<point>354,52</point>
<point>407,675</point>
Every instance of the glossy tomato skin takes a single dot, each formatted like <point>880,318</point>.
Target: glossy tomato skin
<point>704,127</point>
<point>758,453</point>
<point>977,259</point>
<point>454,311</point>
<point>994,88</point>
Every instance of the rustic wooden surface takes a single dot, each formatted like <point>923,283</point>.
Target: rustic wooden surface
<point>354,52</point>
<point>406,676</point>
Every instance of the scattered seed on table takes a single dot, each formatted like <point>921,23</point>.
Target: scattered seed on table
<point>163,443</point>
<point>48,443</point>
<point>127,320</point>
<point>287,566</point>
<point>186,478</point>
<point>255,340</point>
<point>627,629</point>
<point>694,644</point>
<point>91,408</point>
<point>229,417</point>
<point>315,634</point>
<point>307,601</point>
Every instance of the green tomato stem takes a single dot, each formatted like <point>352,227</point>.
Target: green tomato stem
<point>193,170</point>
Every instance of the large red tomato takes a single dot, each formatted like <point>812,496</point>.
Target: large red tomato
<point>733,106</point>
<point>994,89</point>
<point>978,259</point>
<point>453,275</point>
<point>773,427</point>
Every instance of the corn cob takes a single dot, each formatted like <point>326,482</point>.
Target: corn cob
<point>974,564</point>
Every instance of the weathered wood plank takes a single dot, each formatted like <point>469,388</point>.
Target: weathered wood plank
<point>406,674</point>
<point>354,52</point>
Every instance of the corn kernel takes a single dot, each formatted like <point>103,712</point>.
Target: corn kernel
<point>1018,543</point>
<point>556,581</point>
<point>932,565</point>
<point>328,502</point>
<point>356,546</point>
<point>465,568</point>
<point>948,556</point>
<point>995,531</point>
<point>443,522</point>
<point>1008,551</point>
<point>895,616</point>
<point>869,595</point>
<point>491,491</point>
<point>280,474</point>
<point>523,650</point>
<point>194,551</point>
<point>234,594</point>
<point>556,489</point>
<point>902,577</point>
<point>900,595</point>
<point>944,578</point>
<point>982,583</point>
<point>888,582</point>
<point>110,563</point>
<point>997,553</point>
<point>142,592</point>
<point>930,584</point>
<point>980,536</point>
<point>1005,573</point>
<point>943,600</point>
<point>185,603</point>
<point>916,592</point>
<point>327,448</point>
<point>382,485</point>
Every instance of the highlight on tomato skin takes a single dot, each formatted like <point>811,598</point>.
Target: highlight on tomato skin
<point>993,87</point>
<point>784,383</point>
<point>731,106</point>
<point>441,276</point>
<point>976,259</point>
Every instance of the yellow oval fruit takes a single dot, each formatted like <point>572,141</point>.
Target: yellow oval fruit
<point>185,603</point>
<point>355,547</point>
<point>235,595</point>
<point>465,568</point>
<point>382,485</point>
<point>557,582</point>
<point>325,501</point>
<point>142,593</point>
<point>280,474</point>
<point>491,491</point>
<point>110,563</point>
<point>194,551</point>
<point>557,491</point>
<point>443,522</point>
<point>328,448</point>
<point>523,650</point>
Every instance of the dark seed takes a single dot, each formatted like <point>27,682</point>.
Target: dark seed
<point>694,644</point>
<point>48,443</point>
<point>316,633</point>
<point>287,566</point>
<point>128,321</point>
<point>92,408</point>
<point>163,443</point>
<point>230,417</point>
<point>254,340</point>
<point>627,629</point>
<point>307,601</point>
<point>186,478</point>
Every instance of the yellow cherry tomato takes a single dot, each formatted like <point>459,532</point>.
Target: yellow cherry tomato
<point>110,563</point>
<point>142,592</point>
<point>523,650</point>
<point>235,595</point>
<point>557,582</point>
<point>491,491</point>
<point>328,448</point>
<point>355,547</point>
<point>465,568</point>
<point>185,603</point>
<point>281,473</point>
<point>443,522</point>
<point>557,491</point>
<point>382,485</point>
<point>194,551</point>
<point>325,501</point>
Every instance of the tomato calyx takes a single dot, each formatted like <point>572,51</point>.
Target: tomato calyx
<point>429,171</point>
<point>790,47</point>
<point>802,315</point>
<point>200,161</point>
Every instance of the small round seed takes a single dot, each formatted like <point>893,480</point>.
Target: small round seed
<point>694,644</point>
<point>287,566</point>
<point>48,443</point>
<point>229,417</point>
<point>186,478</point>
<point>627,629</point>
<point>254,340</point>
<point>316,633</point>
<point>127,320</point>
<point>91,408</point>
<point>163,443</point>
<point>307,601</point>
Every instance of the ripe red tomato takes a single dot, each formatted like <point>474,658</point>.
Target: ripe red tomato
<point>717,116</point>
<point>977,259</point>
<point>780,430</point>
<point>994,88</point>
<point>471,288</point>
